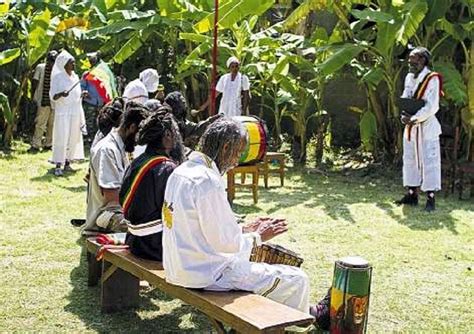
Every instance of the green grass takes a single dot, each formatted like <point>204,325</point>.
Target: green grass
<point>422,279</point>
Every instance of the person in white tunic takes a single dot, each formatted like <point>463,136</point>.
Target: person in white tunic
<point>421,148</point>
<point>204,246</point>
<point>235,89</point>
<point>139,89</point>
<point>65,94</point>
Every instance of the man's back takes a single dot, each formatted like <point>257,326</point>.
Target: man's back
<point>201,235</point>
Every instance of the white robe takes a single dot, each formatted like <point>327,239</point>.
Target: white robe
<point>421,155</point>
<point>204,247</point>
<point>231,101</point>
<point>68,118</point>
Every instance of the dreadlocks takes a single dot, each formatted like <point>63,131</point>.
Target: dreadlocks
<point>153,129</point>
<point>177,102</point>
<point>110,115</point>
<point>218,134</point>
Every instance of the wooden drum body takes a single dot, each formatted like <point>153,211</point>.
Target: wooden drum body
<point>256,147</point>
<point>350,295</point>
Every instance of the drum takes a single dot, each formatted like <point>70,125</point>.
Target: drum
<point>350,295</point>
<point>256,139</point>
<point>274,254</point>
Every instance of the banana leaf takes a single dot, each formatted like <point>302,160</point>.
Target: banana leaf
<point>453,85</point>
<point>5,108</point>
<point>232,12</point>
<point>9,55</point>
<point>415,12</point>
<point>41,32</point>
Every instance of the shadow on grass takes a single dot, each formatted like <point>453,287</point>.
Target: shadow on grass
<point>335,194</point>
<point>84,302</point>
<point>75,189</point>
<point>49,176</point>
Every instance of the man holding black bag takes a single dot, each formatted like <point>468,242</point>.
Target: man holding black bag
<point>421,148</point>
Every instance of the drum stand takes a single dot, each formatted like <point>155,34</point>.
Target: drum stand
<point>231,185</point>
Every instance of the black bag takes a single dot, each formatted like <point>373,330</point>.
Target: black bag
<point>410,106</point>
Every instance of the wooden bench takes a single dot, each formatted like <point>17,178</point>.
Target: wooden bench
<point>120,273</point>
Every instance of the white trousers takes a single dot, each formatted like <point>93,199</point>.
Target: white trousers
<point>421,161</point>
<point>284,284</point>
<point>67,137</point>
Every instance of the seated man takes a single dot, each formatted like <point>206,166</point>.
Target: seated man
<point>143,188</point>
<point>204,247</point>
<point>108,161</point>
<point>190,131</point>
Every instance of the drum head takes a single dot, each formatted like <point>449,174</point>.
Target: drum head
<point>353,262</point>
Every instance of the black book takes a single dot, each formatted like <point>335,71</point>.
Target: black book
<point>410,106</point>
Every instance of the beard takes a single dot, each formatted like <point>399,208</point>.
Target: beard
<point>130,143</point>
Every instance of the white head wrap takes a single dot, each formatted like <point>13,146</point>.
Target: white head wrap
<point>232,60</point>
<point>61,60</point>
<point>150,79</point>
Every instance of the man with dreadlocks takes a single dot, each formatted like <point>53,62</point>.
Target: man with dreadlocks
<point>109,117</point>
<point>421,148</point>
<point>108,162</point>
<point>204,246</point>
<point>143,188</point>
<point>190,131</point>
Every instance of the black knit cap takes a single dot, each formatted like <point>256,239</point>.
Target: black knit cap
<point>423,52</point>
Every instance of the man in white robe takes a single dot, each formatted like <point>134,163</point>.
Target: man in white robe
<point>139,89</point>
<point>421,148</point>
<point>65,94</point>
<point>235,89</point>
<point>203,245</point>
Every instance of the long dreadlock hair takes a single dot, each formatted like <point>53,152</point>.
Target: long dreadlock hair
<point>221,132</point>
<point>153,129</point>
<point>134,113</point>
<point>110,115</point>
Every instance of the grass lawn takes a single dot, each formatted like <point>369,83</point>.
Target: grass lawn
<point>423,279</point>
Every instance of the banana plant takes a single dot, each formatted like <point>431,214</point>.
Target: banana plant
<point>32,36</point>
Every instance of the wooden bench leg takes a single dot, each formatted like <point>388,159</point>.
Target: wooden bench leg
<point>282,172</point>
<point>265,173</point>
<point>119,289</point>
<point>94,268</point>
<point>255,186</point>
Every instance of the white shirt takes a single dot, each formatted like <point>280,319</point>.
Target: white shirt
<point>39,76</point>
<point>136,91</point>
<point>201,236</point>
<point>231,102</point>
<point>108,162</point>
<point>426,115</point>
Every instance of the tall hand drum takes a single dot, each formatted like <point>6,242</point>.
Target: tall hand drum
<point>350,295</point>
<point>256,147</point>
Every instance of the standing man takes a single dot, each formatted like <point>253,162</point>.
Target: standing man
<point>235,89</point>
<point>139,89</point>
<point>421,148</point>
<point>107,166</point>
<point>45,112</point>
<point>205,247</point>
<point>91,102</point>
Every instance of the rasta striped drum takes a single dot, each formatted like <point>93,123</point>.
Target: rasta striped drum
<point>350,293</point>
<point>256,139</point>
